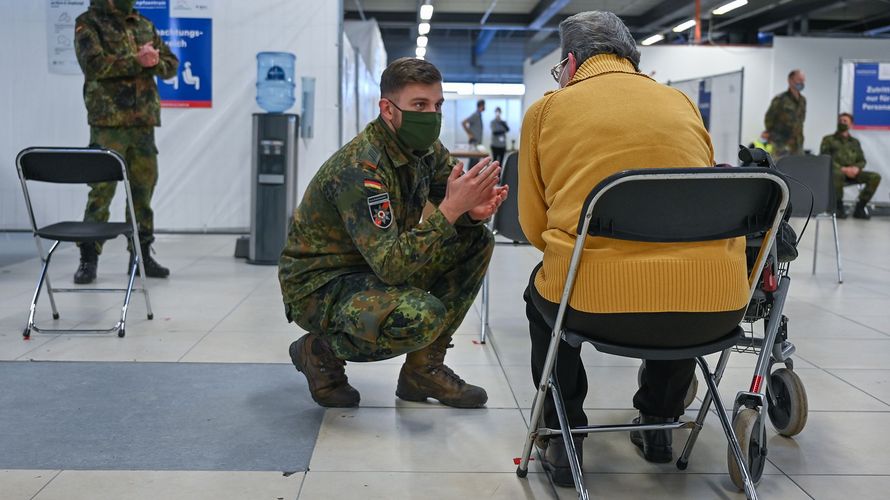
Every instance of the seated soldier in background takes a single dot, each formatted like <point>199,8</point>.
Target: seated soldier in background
<point>849,167</point>
<point>364,275</point>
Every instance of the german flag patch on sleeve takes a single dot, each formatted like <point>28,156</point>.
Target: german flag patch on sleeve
<point>372,184</point>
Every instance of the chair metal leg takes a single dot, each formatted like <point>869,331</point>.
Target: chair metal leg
<point>26,333</point>
<point>485,303</point>
<point>837,249</point>
<point>750,491</point>
<point>486,290</point>
<point>538,401</point>
<point>816,245</point>
<point>566,431</point>
<point>139,261</point>
<point>49,286</point>
<point>683,461</point>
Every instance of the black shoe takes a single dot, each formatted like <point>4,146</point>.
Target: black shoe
<point>556,461</point>
<point>86,273</point>
<point>655,445</point>
<point>152,268</point>
<point>841,211</point>
<point>89,261</point>
<point>861,211</point>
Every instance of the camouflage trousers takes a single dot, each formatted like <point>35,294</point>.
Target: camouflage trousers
<point>364,319</point>
<point>137,146</point>
<point>870,179</point>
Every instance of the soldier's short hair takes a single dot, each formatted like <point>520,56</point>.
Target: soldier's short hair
<point>848,115</point>
<point>793,73</point>
<point>588,34</point>
<point>407,70</point>
<point>480,102</point>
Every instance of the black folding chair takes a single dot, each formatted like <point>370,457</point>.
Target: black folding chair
<point>662,205</point>
<point>815,173</point>
<point>79,166</point>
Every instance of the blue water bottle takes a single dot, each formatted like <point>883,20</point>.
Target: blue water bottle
<point>275,81</point>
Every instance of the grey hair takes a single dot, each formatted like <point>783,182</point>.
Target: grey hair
<point>587,34</point>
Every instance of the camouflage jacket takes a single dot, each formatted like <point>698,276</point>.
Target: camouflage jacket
<point>784,122</point>
<point>117,90</point>
<point>361,213</point>
<point>844,151</point>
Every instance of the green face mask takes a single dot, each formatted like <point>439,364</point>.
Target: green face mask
<point>842,127</point>
<point>419,129</point>
<point>125,6</point>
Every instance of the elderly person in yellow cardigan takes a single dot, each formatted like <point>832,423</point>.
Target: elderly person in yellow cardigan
<point>608,117</point>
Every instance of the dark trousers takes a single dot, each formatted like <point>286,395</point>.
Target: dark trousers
<point>497,154</point>
<point>664,383</point>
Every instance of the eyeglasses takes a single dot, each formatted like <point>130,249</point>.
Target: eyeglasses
<point>555,71</point>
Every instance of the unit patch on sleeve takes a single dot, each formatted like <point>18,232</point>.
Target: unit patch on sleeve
<point>381,210</point>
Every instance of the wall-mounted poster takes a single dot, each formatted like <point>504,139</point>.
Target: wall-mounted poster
<point>60,17</point>
<point>871,95</point>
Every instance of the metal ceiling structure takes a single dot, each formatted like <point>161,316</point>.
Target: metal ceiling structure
<point>488,40</point>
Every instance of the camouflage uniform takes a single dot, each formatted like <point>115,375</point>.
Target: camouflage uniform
<point>362,270</point>
<point>784,122</point>
<point>122,102</point>
<point>846,151</point>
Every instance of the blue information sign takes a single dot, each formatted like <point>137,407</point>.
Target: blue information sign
<point>190,38</point>
<point>704,102</point>
<point>871,96</point>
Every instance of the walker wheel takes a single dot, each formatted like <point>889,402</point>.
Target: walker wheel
<point>789,412</point>
<point>151,316</point>
<point>690,392</point>
<point>521,473</point>
<point>121,333</point>
<point>55,315</point>
<point>752,444</point>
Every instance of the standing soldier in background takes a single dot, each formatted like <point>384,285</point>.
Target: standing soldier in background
<point>120,54</point>
<point>364,275</point>
<point>849,164</point>
<point>785,116</point>
<point>473,124</point>
<point>499,129</point>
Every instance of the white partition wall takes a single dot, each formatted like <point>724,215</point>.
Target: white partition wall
<point>204,153</point>
<point>719,98</point>
<point>348,91</point>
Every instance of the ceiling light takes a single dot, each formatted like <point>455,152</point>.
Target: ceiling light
<point>723,9</point>
<point>652,39</point>
<point>426,12</point>
<point>422,41</point>
<point>420,51</point>
<point>458,88</point>
<point>499,89</point>
<point>423,28</point>
<point>684,26</point>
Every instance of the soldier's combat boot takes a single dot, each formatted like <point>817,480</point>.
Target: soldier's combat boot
<point>89,261</point>
<point>861,211</point>
<point>152,268</point>
<point>324,371</point>
<point>424,375</point>
<point>841,211</point>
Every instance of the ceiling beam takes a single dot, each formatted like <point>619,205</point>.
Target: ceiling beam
<point>775,13</point>
<point>544,12</point>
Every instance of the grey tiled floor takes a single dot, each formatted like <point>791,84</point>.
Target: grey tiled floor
<point>217,309</point>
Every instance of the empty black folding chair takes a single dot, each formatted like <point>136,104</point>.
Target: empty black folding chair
<point>79,166</point>
<point>661,205</point>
